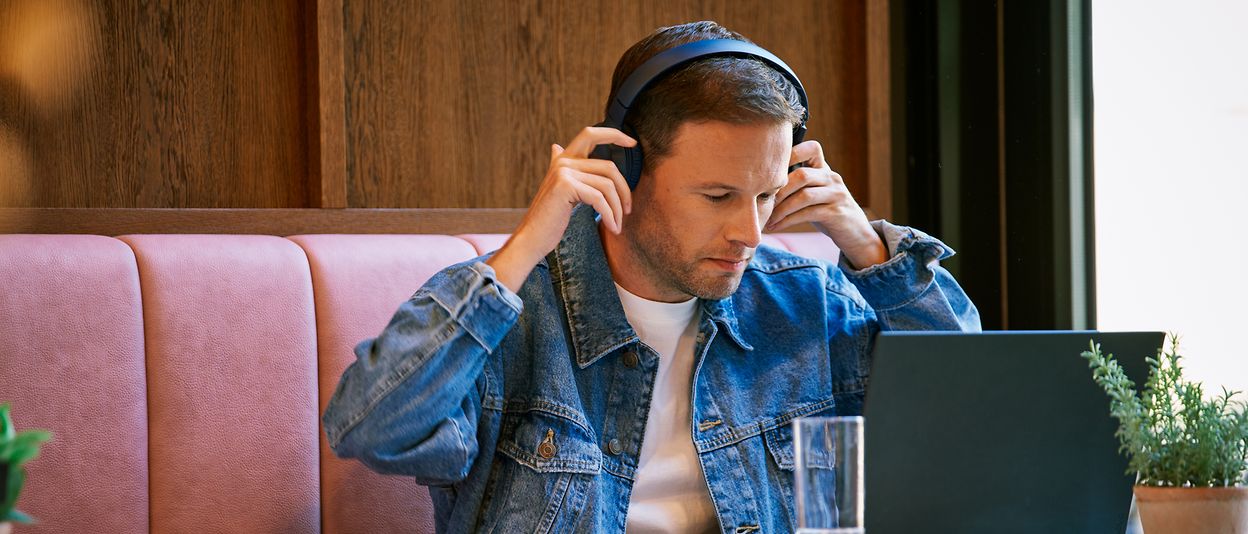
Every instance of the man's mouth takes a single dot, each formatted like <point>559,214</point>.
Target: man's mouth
<point>730,264</point>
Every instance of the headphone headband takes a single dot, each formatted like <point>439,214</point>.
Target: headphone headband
<point>629,160</point>
<point>670,59</point>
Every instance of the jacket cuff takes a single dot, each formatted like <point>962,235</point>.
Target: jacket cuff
<point>909,272</point>
<point>479,303</point>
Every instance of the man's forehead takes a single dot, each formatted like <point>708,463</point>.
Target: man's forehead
<point>692,134</point>
<point>733,152</point>
<point>734,185</point>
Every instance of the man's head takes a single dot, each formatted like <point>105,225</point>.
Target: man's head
<point>729,89</point>
<point>716,135</point>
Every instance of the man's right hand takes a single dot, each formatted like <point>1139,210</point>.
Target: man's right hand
<point>572,179</point>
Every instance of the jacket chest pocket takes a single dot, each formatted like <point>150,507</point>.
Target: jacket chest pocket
<point>819,465</point>
<point>782,447</point>
<point>542,475</point>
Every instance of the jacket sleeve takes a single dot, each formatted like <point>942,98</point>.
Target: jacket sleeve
<point>410,402</point>
<point>911,291</point>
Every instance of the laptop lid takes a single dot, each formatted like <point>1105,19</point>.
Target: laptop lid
<point>996,432</point>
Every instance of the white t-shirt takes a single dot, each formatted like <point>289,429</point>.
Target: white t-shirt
<point>670,493</point>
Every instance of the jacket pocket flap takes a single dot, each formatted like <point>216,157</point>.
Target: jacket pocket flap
<point>547,443</point>
<point>780,445</point>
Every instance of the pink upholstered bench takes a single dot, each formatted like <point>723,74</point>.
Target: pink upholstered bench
<point>183,375</point>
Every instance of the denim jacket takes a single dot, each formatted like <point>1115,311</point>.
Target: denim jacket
<point>522,415</point>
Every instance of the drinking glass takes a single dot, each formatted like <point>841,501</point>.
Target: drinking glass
<point>827,464</point>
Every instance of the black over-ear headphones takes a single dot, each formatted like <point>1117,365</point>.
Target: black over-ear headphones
<point>629,160</point>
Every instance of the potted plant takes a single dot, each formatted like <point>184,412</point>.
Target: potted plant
<point>16,448</point>
<point>1188,451</point>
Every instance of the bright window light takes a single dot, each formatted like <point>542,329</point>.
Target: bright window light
<point>1170,82</point>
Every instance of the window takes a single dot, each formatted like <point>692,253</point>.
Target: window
<point>1170,83</point>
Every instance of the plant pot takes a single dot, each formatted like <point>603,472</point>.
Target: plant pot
<point>1192,510</point>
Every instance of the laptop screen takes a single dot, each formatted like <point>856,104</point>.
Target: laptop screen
<point>996,432</point>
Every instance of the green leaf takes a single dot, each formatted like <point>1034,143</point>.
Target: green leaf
<point>33,436</point>
<point>6,424</point>
<point>22,454</point>
<point>1171,434</point>
<point>14,488</point>
<point>25,447</point>
<point>19,517</point>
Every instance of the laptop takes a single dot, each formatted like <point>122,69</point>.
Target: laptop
<point>996,432</point>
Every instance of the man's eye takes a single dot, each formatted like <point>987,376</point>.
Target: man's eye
<point>717,198</point>
<point>765,197</point>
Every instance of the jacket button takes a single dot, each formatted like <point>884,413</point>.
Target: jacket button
<point>546,449</point>
<point>630,359</point>
<point>614,447</point>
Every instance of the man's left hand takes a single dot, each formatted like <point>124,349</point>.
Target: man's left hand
<point>815,194</point>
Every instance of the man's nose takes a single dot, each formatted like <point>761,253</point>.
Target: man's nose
<point>746,229</point>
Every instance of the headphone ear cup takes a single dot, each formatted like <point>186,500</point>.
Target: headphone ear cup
<point>623,158</point>
<point>628,160</point>
<point>631,159</point>
<point>631,169</point>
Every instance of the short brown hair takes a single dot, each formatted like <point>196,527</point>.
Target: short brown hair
<point>730,89</point>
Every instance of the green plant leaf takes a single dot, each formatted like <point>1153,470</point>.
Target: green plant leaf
<point>21,455</point>
<point>6,424</point>
<point>13,488</point>
<point>1172,434</point>
<point>17,516</point>
<point>33,436</point>
<point>25,447</point>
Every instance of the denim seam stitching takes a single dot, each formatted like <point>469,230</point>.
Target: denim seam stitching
<point>785,266</point>
<point>869,271</point>
<point>608,467</point>
<point>523,457</point>
<point>390,383</point>
<point>493,287</point>
<point>548,519</point>
<point>734,434</point>
<point>469,284</point>
<point>551,408</point>
<point>912,300</point>
<point>859,303</point>
<point>459,444</point>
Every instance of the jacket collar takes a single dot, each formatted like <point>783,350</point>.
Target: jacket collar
<point>583,281</point>
<point>723,312</point>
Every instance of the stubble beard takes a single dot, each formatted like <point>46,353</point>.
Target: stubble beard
<point>652,244</point>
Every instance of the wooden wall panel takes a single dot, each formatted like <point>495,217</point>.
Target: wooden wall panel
<point>327,151</point>
<point>454,104</point>
<point>114,103</point>
<point>365,103</point>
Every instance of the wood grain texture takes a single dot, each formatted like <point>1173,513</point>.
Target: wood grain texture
<point>327,165</point>
<point>267,221</point>
<point>156,104</point>
<point>879,119</point>
<point>262,221</point>
<point>455,103</point>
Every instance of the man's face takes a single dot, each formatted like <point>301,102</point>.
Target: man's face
<point>698,217</point>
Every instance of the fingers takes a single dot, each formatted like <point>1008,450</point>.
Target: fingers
<point>592,136</point>
<point>813,204</point>
<point>808,152</point>
<point>607,170</point>
<point>606,188</point>
<point>576,179</point>
<point>601,201</point>
<point>804,215</point>
<point>804,177</point>
<point>806,197</point>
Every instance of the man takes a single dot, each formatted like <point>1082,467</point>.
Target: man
<point>639,369</point>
